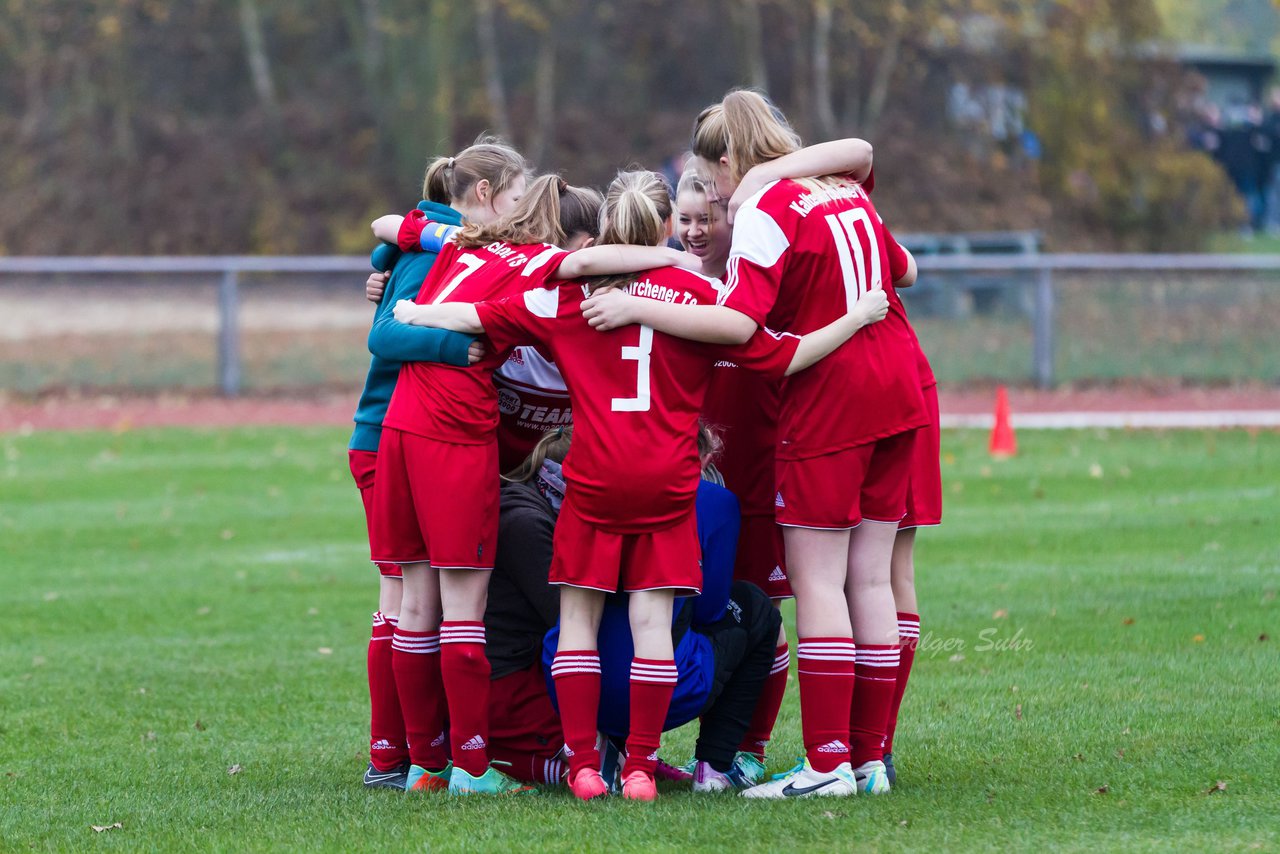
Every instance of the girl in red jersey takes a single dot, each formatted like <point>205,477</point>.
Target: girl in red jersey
<point>627,521</point>
<point>802,254</point>
<point>480,184</point>
<point>924,487</point>
<point>435,507</point>
<point>801,251</point>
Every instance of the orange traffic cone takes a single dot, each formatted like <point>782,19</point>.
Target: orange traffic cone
<point>1003,442</point>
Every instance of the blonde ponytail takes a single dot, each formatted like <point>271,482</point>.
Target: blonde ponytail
<point>448,179</point>
<point>636,209</point>
<point>550,211</point>
<point>745,128</point>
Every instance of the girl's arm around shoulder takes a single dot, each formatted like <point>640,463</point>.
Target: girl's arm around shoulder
<point>839,157</point>
<point>456,316</point>
<point>616,259</point>
<point>870,308</point>
<point>712,324</point>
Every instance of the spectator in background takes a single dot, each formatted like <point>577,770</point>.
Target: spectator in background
<point>1204,129</point>
<point>1245,152</point>
<point>1271,128</point>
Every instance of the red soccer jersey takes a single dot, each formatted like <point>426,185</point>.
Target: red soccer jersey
<point>636,396</point>
<point>532,399</point>
<point>460,405</point>
<point>744,405</point>
<point>800,259</point>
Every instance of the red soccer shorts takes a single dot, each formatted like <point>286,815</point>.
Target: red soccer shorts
<point>924,490</point>
<point>760,559</point>
<point>837,491</point>
<point>362,465</point>
<point>522,722</point>
<point>435,502</point>
<point>586,556</point>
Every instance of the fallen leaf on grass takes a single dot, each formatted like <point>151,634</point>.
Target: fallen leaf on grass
<point>1017,711</point>
<point>324,650</point>
<point>1079,757</point>
<point>1197,638</point>
<point>1220,786</point>
<point>1000,614</point>
<point>234,769</point>
<point>1102,790</point>
<point>1263,638</point>
<point>1119,754</point>
<point>902,823</point>
<point>956,657</point>
<point>1128,621</point>
<point>98,828</point>
<point>828,815</point>
<point>199,726</point>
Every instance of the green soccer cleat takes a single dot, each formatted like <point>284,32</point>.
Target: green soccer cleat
<point>491,782</point>
<point>419,779</point>
<point>749,767</point>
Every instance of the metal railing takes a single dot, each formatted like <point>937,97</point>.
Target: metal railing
<point>230,268</point>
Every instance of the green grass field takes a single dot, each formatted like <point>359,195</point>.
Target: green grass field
<point>1098,668</point>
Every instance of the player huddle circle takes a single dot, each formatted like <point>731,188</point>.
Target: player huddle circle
<point>687,438</point>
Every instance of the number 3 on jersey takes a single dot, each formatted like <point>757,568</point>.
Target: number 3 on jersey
<point>853,264</point>
<point>639,354</point>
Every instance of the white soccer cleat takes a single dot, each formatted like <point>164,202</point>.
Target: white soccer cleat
<point>872,777</point>
<point>804,782</point>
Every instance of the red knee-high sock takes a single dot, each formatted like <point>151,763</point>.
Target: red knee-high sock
<point>825,666</point>
<point>415,659</point>
<point>387,745</point>
<point>577,676</point>
<point>908,637</point>
<point>465,671</point>
<point>876,676</point>
<point>652,683</point>
<point>766,713</point>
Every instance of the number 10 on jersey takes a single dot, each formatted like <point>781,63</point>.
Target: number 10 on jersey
<point>853,264</point>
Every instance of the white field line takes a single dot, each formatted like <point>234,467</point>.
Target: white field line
<point>1147,420</point>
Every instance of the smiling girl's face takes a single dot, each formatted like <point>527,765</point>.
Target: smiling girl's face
<point>702,230</point>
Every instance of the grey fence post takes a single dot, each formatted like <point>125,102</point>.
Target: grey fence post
<point>1042,330</point>
<point>229,334</point>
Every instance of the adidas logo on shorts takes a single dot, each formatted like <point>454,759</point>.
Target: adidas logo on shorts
<point>836,746</point>
<point>778,502</point>
<point>475,743</point>
<point>438,740</point>
<point>777,574</point>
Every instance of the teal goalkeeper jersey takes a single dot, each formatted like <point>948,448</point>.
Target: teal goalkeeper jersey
<point>392,342</point>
